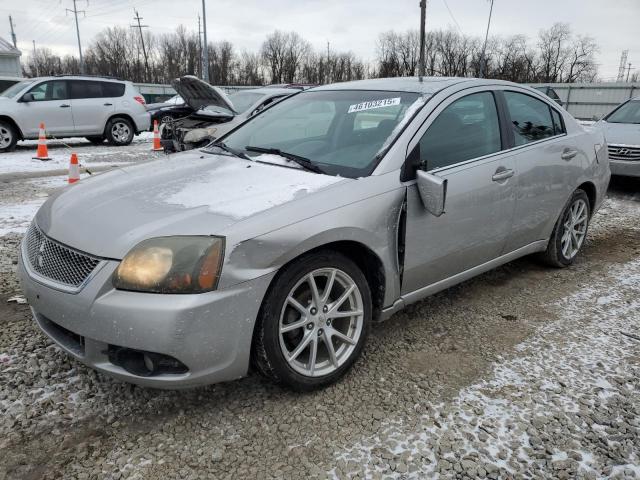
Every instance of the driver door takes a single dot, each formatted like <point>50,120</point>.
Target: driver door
<point>50,105</point>
<point>462,145</point>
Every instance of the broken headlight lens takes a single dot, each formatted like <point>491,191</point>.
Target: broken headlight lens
<point>183,264</point>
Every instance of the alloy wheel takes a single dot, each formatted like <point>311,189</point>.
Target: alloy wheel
<point>6,137</point>
<point>120,132</point>
<point>321,322</point>
<point>575,228</point>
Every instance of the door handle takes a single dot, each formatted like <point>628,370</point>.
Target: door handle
<point>502,174</point>
<point>65,105</point>
<point>568,153</point>
<point>108,104</point>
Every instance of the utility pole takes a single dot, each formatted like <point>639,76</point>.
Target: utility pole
<point>75,12</point>
<point>205,56</point>
<point>484,47</point>
<point>328,64</point>
<point>200,44</point>
<point>144,50</point>
<point>13,33</point>
<point>623,65</point>
<point>423,19</point>
<point>628,71</point>
<point>35,63</point>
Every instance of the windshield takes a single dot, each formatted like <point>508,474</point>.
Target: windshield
<point>13,90</point>
<point>340,131</point>
<point>243,100</point>
<point>626,113</point>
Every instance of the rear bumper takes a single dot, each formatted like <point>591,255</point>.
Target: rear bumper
<point>624,168</point>
<point>142,121</point>
<point>210,333</point>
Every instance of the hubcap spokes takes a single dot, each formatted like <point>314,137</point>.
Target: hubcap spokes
<point>321,322</point>
<point>575,229</point>
<point>5,137</point>
<point>120,132</point>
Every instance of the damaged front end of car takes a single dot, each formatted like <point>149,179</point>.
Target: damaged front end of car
<point>211,107</point>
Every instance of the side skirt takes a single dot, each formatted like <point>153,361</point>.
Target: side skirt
<point>424,292</point>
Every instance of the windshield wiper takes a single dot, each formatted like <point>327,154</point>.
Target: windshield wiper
<point>232,151</point>
<point>302,161</point>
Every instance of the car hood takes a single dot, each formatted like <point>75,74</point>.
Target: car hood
<point>620,133</point>
<point>184,194</point>
<point>198,94</point>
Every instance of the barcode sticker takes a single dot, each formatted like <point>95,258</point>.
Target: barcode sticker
<point>385,102</point>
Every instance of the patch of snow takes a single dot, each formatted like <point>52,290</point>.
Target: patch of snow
<point>261,189</point>
<point>16,217</point>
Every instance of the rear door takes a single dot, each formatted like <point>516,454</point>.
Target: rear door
<point>463,145</point>
<point>548,162</point>
<point>51,105</point>
<point>91,106</point>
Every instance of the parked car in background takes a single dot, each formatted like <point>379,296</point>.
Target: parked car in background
<point>549,92</point>
<point>622,131</point>
<point>72,106</point>
<point>172,109</point>
<point>214,112</point>
<point>6,82</point>
<point>280,244</point>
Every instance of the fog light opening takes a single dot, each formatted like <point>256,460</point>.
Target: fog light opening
<point>145,364</point>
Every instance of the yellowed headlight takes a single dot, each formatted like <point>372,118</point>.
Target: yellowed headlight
<point>145,268</point>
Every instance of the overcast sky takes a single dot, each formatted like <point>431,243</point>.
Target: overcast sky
<point>346,24</point>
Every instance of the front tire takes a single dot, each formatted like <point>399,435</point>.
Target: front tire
<point>569,232</point>
<point>8,137</point>
<point>313,322</point>
<point>119,131</point>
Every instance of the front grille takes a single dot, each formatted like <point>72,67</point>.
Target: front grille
<point>57,262</point>
<point>621,152</point>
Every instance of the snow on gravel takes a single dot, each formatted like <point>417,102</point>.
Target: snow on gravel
<point>558,399</point>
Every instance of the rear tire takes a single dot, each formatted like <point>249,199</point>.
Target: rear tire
<point>119,131</point>
<point>569,231</point>
<point>320,341</point>
<point>96,140</point>
<point>8,137</point>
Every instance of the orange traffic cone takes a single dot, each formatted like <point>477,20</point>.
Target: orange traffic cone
<point>157,146</point>
<point>74,169</point>
<point>42,153</point>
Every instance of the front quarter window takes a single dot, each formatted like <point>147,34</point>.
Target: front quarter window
<point>341,131</point>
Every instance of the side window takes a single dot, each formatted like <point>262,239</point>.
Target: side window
<point>52,90</point>
<point>530,118</point>
<point>466,129</point>
<point>112,89</point>
<point>558,124</point>
<point>85,89</point>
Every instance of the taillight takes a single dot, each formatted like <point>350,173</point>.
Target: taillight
<point>139,99</point>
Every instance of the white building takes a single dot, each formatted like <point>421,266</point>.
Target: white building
<point>9,60</point>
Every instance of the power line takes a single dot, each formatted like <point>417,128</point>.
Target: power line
<point>452,16</point>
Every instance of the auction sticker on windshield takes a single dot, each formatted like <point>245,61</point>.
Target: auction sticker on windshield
<point>385,102</point>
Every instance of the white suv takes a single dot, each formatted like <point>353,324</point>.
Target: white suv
<point>72,106</point>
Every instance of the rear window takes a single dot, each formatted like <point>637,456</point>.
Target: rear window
<point>112,89</point>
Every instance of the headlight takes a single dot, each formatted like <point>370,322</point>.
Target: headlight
<point>186,264</point>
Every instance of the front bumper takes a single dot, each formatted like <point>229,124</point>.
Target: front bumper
<point>625,168</point>
<point>210,333</point>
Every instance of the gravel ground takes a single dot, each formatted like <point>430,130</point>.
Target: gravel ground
<point>524,372</point>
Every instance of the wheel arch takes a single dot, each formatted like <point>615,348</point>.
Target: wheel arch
<point>590,189</point>
<point>120,115</point>
<point>11,121</point>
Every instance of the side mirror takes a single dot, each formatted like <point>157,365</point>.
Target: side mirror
<point>597,117</point>
<point>433,192</point>
<point>28,97</point>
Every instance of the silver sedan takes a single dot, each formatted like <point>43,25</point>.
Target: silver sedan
<point>279,245</point>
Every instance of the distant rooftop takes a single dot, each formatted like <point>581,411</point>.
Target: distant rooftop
<point>7,49</point>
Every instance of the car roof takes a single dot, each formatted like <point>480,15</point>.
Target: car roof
<point>77,77</point>
<point>428,85</point>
